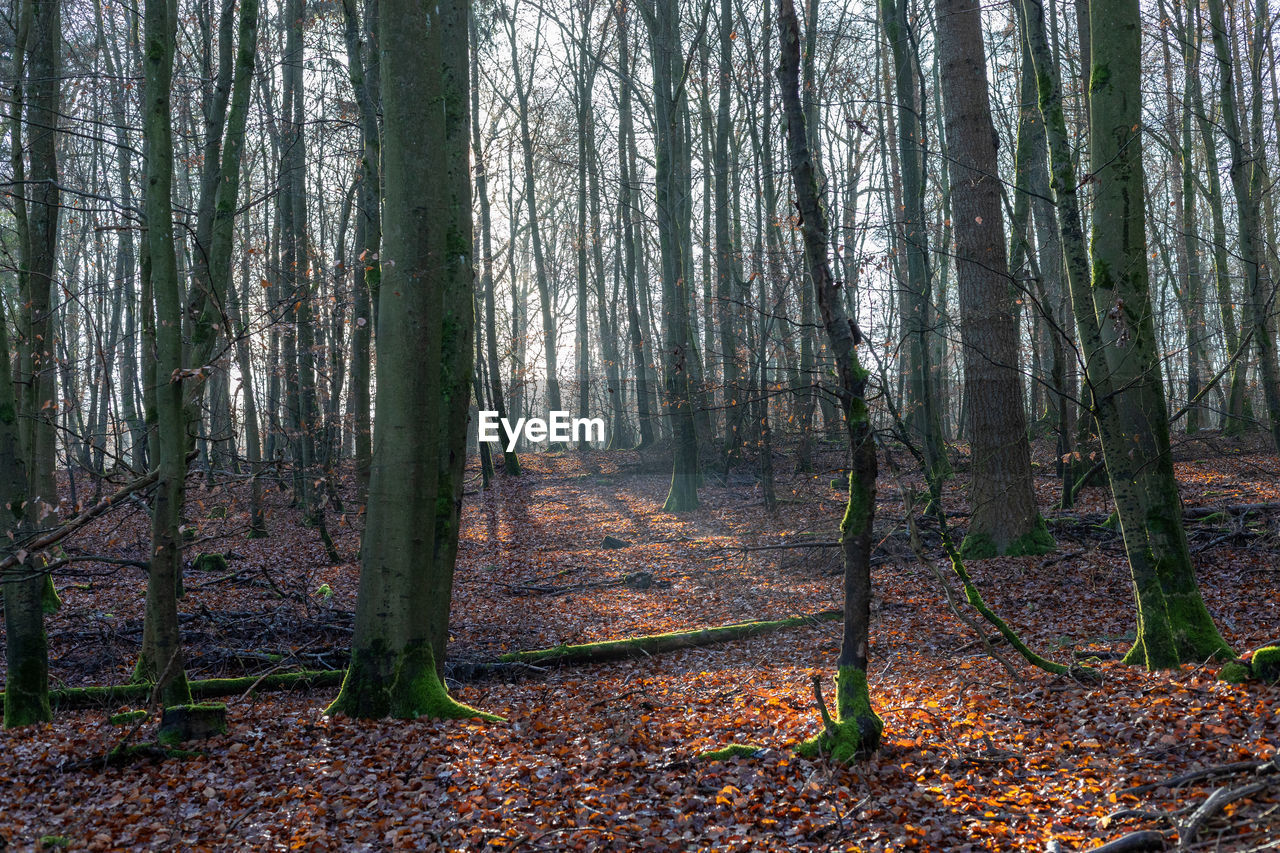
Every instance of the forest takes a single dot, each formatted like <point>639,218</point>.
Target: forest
<point>661,425</point>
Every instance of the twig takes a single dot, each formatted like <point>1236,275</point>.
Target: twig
<point>1261,766</point>
<point>827,724</point>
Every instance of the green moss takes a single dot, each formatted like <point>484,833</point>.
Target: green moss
<point>54,842</point>
<point>256,533</point>
<point>856,734</point>
<point>1214,518</point>
<point>1034,542</point>
<point>1100,77</point>
<point>1266,664</point>
<point>218,512</point>
<point>50,603</point>
<point>978,546</point>
<point>210,563</point>
<point>125,718</point>
<point>734,750</point>
<point>324,591</point>
<point>173,733</point>
<point>417,690</point>
<point>384,683</point>
<point>1235,672</point>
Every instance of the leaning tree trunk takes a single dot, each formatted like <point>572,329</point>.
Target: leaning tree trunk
<point>855,733</point>
<point>1004,518</point>
<point>1122,364</point>
<point>426,275</point>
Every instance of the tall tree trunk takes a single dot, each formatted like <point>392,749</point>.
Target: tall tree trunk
<point>550,338</point>
<point>365,72</point>
<point>923,417</point>
<point>670,106</point>
<point>1248,165</point>
<point>427,275</point>
<point>640,356</point>
<point>1122,361</point>
<point>161,657</point>
<point>1003,517</point>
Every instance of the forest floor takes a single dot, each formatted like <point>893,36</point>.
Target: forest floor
<point>605,756</point>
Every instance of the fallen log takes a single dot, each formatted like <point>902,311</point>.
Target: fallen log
<point>69,698</point>
<point>113,695</point>
<point>611,650</point>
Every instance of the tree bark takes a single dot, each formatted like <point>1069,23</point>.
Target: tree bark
<point>1004,518</point>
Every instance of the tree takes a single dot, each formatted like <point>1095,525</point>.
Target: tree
<point>1122,364</point>
<point>914,288</point>
<point>161,658</point>
<point>855,733</point>
<point>671,107</point>
<point>1004,518</point>
<point>427,268</point>
<point>1248,167</point>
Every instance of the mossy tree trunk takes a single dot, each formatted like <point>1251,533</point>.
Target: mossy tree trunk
<point>38,215</point>
<point>1004,518</point>
<point>426,290</point>
<point>1122,363</point>
<point>856,731</point>
<point>161,657</point>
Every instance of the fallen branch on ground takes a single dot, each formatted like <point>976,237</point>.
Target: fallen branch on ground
<point>1261,766</point>
<point>610,650</point>
<point>1213,804</point>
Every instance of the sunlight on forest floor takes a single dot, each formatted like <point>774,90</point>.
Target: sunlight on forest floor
<point>602,756</point>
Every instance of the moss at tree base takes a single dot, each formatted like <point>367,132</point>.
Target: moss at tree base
<point>382,683</point>
<point>856,734</point>
<point>1038,540</point>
